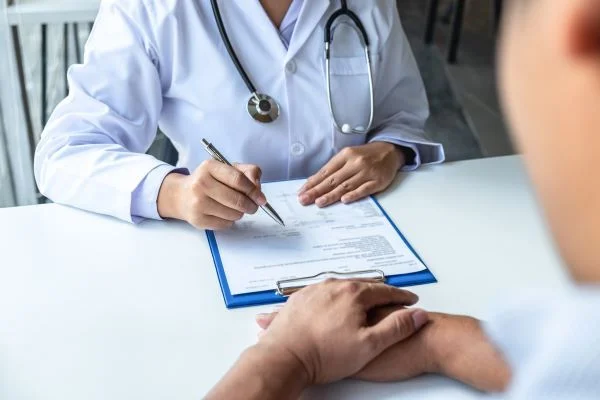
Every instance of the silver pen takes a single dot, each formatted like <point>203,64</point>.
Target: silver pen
<point>219,157</point>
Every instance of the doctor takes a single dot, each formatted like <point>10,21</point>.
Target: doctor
<point>251,77</point>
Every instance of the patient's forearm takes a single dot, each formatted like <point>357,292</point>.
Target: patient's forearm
<point>262,373</point>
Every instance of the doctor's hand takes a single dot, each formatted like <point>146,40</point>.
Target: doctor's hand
<point>326,327</point>
<point>352,174</point>
<point>214,196</point>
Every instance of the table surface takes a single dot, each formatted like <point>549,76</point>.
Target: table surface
<point>94,308</point>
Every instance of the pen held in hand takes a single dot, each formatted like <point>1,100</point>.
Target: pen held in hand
<point>216,154</point>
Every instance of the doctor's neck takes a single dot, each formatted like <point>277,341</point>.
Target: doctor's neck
<point>276,10</point>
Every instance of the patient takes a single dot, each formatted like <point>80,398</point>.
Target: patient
<point>535,347</point>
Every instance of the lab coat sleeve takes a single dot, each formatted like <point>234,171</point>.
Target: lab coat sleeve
<point>91,154</point>
<point>401,107</point>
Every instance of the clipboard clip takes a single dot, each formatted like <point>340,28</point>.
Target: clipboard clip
<point>287,287</point>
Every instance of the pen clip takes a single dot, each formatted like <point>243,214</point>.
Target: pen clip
<point>214,153</point>
<point>218,156</point>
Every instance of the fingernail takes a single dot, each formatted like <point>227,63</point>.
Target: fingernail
<point>321,201</point>
<point>420,318</point>
<point>301,190</point>
<point>261,316</point>
<point>261,200</point>
<point>304,199</point>
<point>416,299</point>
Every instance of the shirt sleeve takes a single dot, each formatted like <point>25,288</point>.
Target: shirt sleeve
<point>91,154</point>
<point>551,342</point>
<point>402,108</point>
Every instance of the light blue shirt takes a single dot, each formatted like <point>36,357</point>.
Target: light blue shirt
<point>552,343</point>
<point>286,28</point>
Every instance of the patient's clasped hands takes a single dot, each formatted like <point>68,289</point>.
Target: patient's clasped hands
<point>333,330</point>
<point>339,329</point>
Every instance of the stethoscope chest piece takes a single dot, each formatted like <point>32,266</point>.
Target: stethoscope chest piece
<point>263,108</point>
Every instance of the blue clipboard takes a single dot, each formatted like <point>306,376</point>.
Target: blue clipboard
<point>271,297</point>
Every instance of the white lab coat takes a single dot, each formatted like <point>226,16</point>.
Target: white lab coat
<point>161,63</point>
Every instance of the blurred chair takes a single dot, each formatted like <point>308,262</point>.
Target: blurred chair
<point>457,11</point>
<point>19,122</point>
<point>70,14</point>
<point>43,13</point>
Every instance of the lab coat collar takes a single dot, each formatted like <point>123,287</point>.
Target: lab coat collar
<point>268,34</point>
<point>311,14</point>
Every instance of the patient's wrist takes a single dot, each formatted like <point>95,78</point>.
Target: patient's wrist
<point>263,372</point>
<point>459,349</point>
<point>279,368</point>
<point>433,344</point>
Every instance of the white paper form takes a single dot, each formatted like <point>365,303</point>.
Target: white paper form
<point>257,252</point>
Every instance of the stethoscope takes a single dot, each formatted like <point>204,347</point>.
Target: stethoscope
<point>263,108</point>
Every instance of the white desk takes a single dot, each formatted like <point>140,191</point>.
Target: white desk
<point>92,308</point>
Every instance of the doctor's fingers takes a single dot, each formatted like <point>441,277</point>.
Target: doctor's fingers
<point>328,184</point>
<point>366,189</point>
<point>253,172</point>
<point>340,190</point>
<point>333,165</point>
<point>216,209</point>
<point>235,179</point>
<point>210,222</point>
<point>231,198</point>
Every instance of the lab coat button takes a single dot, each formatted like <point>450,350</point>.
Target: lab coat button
<point>297,149</point>
<point>290,66</point>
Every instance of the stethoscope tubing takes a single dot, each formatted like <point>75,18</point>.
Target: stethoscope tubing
<point>328,37</point>
<point>362,34</point>
<point>229,47</point>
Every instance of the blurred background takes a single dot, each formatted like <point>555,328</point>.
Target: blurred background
<point>454,42</point>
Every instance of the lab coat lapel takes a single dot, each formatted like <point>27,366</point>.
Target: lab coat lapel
<point>310,16</point>
<point>265,31</point>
